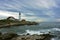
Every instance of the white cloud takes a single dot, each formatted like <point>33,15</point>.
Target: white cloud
<point>21,6</point>
<point>30,13</point>
<point>40,20</point>
<point>35,5</point>
<point>27,17</point>
<point>6,14</point>
<point>31,18</point>
<point>57,20</point>
<point>42,3</point>
<point>50,13</point>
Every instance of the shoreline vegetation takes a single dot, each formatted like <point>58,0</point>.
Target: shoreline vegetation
<point>11,21</point>
<point>14,36</point>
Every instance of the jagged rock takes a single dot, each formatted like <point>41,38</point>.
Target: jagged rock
<point>0,33</point>
<point>13,36</point>
<point>27,34</point>
<point>34,37</point>
<point>9,36</point>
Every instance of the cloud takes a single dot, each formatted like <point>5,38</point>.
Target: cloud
<point>19,4</point>
<point>6,14</point>
<point>41,3</point>
<point>50,13</point>
<point>45,3</point>
<point>40,10</point>
<point>57,20</point>
<point>40,20</point>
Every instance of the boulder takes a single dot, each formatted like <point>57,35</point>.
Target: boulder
<point>8,36</point>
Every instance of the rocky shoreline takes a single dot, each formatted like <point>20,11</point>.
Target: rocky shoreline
<point>14,36</point>
<point>9,22</point>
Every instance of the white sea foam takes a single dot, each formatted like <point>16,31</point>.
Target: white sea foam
<point>53,39</point>
<point>56,29</point>
<point>43,31</point>
<point>33,32</point>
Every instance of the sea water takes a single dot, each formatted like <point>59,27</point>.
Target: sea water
<point>42,28</point>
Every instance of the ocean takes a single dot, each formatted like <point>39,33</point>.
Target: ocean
<point>42,28</point>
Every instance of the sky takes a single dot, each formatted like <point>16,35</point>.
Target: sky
<point>31,10</point>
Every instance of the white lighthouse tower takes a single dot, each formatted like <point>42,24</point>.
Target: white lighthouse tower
<point>19,16</point>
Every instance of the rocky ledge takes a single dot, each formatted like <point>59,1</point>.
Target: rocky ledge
<point>13,36</point>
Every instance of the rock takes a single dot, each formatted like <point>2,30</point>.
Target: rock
<point>27,34</point>
<point>13,36</point>
<point>0,33</point>
<point>23,39</point>
<point>0,36</point>
<point>47,36</point>
<point>9,36</point>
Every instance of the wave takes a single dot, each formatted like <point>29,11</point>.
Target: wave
<point>43,31</point>
<point>56,29</point>
<point>33,32</point>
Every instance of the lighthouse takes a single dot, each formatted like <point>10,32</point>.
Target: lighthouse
<point>19,16</point>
